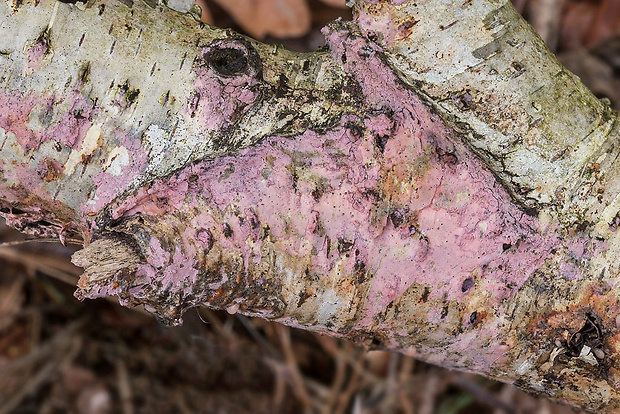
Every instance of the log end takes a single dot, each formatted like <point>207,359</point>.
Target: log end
<point>108,263</point>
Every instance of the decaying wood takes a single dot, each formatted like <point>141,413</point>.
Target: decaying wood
<point>433,182</point>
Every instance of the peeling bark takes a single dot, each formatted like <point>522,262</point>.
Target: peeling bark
<point>435,182</point>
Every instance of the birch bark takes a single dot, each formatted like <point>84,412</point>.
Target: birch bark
<point>434,182</point>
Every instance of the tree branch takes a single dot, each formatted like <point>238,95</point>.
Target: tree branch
<point>434,183</point>
<point>532,121</point>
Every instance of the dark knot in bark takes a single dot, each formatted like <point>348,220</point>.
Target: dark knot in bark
<point>233,57</point>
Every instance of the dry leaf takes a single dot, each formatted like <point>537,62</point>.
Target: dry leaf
<point>545,16</point>
<point>279,18</point>
<point>205,17</point>
<point>335,3</point>
<point>606,23</point>
<point>577,20</point>
<point>593,71</point>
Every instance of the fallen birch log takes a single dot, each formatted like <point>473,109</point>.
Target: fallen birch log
<point>434,182</point>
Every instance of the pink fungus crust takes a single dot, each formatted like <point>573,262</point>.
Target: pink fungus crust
<point>218,99</point>
<point>385,219</point>
<point>393,200</point>
<point>35,120</point>
<point>27,122</point>
<point>37,51</point>
<point>109,186</point>
<point>14,115</point>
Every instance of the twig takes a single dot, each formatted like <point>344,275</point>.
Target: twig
<point>506,395</point>
<point>260,339</point>
<point>545,16</point>
<point>349,391</point>
<point>405,378</point>
<point>339,377</point>
<point>211,318</point>
<point>392,384</point>
<point>279,391</point>
<point>124,387</point>
<point>10,302</point>
<point>427,406</point>
<point>62,344</point>
<point>481,394</point>
<point>43,240</point>
<point>289,355</point>
<point>41,352</point>
<point>181,404</point>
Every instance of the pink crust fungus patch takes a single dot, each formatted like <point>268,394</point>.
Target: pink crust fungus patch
<point>123,164</point>
<point>35,119</point>
<point>37,51</point>
<point>225,82</point>
<point>384,202</point>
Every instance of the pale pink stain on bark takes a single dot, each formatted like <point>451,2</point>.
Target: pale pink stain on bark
<point>37,52</point>
<point>109,186</point>
<point>465,214</point>
<point>397,193</point>
<point>17,113</point>
<point>455,248</point>
<point>218,99</point>
<point>73,125</point>
<point>176,272</point>
<point>14,112</point>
